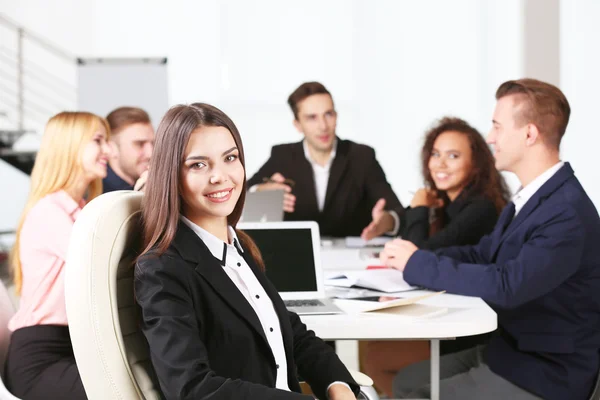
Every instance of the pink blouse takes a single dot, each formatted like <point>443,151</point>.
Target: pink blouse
<point>43,250</point>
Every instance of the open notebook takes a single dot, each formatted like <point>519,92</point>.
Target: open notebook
<point>387,280</point>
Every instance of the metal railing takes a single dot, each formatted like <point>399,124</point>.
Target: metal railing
<point>37,77</point>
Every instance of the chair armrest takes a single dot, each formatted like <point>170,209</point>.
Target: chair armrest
<point>360,378</point>
<point>5,394</point>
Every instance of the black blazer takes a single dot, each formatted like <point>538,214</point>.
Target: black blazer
<point>206,341</point>
<point>467,219</point>
<point>113,182</point>
<point>356,182</point>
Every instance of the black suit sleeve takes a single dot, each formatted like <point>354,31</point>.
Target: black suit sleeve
<point>172,328</point>
<point>473,222</point>
<point>266,171</point>
<point>378,187</point>
<point>316,361</point>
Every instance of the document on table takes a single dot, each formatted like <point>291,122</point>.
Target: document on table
<point>357,242</point>
<point>401,306</point>
<point>387,280</point>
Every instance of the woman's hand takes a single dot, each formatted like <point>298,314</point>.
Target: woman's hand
<point>340,392</point>
<point>426,198</point>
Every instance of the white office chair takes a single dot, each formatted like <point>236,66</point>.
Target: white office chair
<point>596,392</point>
<point>7,310</point>
<point>110,350</point>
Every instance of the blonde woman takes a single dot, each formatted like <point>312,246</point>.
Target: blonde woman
<point>68,171</point>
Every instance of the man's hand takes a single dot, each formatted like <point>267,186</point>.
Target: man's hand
<point>426,198</point>
<point>382,222</point>
<point>340,392</point>
<point>140,184</point>
<point>396,253</point>
<point>276,182</point>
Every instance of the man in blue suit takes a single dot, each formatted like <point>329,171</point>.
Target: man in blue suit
<point>539,269</point>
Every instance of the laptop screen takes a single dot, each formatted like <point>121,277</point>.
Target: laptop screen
<point>289,258</point>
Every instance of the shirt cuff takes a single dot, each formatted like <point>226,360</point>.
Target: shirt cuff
<point>337,383</point>
<point>394,232</point>
<point>253,188</point>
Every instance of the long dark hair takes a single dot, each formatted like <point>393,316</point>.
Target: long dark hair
<point>484,178</point>
<point>161,205</point>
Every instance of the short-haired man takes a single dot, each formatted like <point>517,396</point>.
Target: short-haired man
<point>132,141</point>
<point>337,183</point>
<point>539,269</point>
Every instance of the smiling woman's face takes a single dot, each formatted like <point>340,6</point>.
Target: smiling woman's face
<point>212,175</point>
<point>451,162</point>
<point>94,156</point>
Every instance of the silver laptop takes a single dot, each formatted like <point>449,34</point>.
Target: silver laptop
<point>292,255</point>
<point>263,206</point>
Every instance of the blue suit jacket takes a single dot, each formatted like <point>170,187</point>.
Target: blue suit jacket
<point>541,274</point>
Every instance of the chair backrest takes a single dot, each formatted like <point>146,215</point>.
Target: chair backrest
<point>7,310</point>
<point>110,350</point>
<point>596,390</point>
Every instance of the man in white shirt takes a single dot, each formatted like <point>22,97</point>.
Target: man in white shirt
<point>336,182</point>
<point>539,269</point>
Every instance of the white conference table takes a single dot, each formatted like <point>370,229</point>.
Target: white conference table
<point>466,316</point>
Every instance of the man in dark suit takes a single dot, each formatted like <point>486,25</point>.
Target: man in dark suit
<point>336,182</point>
<point>539,269</point>
<point>131,142</point>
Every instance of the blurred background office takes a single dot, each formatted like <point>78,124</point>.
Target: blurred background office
<point>392,66</point>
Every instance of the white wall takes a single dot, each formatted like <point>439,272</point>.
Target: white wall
<point>580,80</point>
<point>54,21</point>
<point>393,66</point>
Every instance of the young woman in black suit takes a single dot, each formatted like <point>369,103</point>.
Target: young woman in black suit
<point>460,203</point>
<point>464,193</point>
<point>216,327</point>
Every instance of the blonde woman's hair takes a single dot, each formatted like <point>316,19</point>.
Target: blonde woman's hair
<point>58,167</point>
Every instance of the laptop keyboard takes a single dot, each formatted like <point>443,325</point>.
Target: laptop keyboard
<point>303,303</point>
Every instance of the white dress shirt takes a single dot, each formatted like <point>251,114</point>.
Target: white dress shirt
<point>525,193</point>
<point>244,279</point>
<point>321,174</point>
